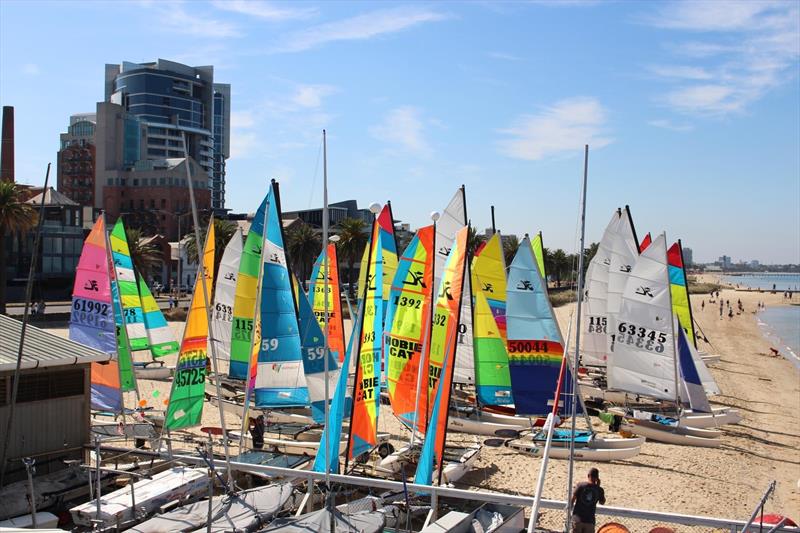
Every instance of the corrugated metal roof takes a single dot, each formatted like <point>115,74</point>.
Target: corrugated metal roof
<point>41,349</point>
<point>52,197</point>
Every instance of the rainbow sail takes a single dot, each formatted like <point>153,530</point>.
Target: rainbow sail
<point>535,344</point>
<point>224,293</point>
<point>92,317</point>
<point>244,306</point>
<point>129,292</point>
<point>492,378</point>
<point>680,291</point>
<point>159,334</point>
<point>316,293</point>
<point>366,391</point>
<point>280,381</point>
<point>444,339</point>
<point>125,360</point>
<point>408,326</point>
<point>185,407</point>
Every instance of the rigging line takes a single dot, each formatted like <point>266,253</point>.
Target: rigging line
<point>314,176</point>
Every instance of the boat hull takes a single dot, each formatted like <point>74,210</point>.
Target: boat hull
<point>669,435</point>
<point>585,453</point>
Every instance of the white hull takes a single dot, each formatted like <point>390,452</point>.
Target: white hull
<point>705,420</point>
<point>580,453</point>
<point>669,435</point>
<point>153,372</point>
<point>43,520</point>
<point>453,471</point>
<point>478,427</point>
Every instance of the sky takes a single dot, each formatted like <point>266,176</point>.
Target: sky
<point>691,110</point>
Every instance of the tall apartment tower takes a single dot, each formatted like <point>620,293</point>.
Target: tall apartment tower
<point>164,101</point>
<point>76,160</point>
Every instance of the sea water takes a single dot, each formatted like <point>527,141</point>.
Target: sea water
<point>765,281</point>
<point>781,325</point>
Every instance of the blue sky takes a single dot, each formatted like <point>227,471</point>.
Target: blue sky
<point>691,110</point>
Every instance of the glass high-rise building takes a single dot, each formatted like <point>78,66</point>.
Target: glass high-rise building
<point>173,100</point>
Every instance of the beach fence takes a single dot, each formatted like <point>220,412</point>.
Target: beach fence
<point>552,515</point>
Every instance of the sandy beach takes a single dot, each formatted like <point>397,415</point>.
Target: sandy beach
<point>722,482</point>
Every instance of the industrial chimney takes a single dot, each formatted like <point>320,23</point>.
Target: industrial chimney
<point>7,145</point>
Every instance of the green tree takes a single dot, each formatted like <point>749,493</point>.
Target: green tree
<point>303,246</point>
<point>145,253</point>
<point>16,217</point>
<point>223,232</point>
<point>560,265</point>
<point>510,246</point>
<point>473,242</point>
<point>354,235</point>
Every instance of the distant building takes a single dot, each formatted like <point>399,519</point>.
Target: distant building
<point>337,212</point>
<point>754,263</point>
<point>687,257</point>
<point>76,160</point>
<point>725,262</point>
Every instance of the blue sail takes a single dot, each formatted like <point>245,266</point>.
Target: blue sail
<point>535,344</point>
<point>280,381</point>
<point>692,384</point>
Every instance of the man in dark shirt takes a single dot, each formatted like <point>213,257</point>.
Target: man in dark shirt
<point>584,503</point>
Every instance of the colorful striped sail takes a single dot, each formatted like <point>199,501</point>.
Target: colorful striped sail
<point>159,335</point>
<point>538,253</point>
<point>92,317</point>
<point>186,399</point>
<point>680,291</point>
<point>125,360</point>
<point>129,292</point>
<point>244,306</point>
<point>313,350</point>
<point>316,293</point>
<point>535,344</point>
<point>453,218</point>
<point>280,381</point>
<point>408,326</point>
<point>388,244</point>
<point>366,388</point>
<point>444,339</point>
<point>224,293</point>
<point>492,378</point>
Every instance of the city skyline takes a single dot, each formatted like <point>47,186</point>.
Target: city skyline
<point>690,110</point>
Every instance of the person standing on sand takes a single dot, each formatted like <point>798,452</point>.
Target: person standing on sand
<point>730,313</point>
<point>720,309</point>
<point>584,502</point>
<point>703,305</point>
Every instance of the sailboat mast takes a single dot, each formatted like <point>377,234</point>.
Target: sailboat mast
<point>581,253</point>
<point>494,228</point>
<point>326,263</point>
<point>674,341</point>
<point>206,299</point>
<point>633,228</point>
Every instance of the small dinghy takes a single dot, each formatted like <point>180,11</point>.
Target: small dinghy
<point>668,430</point>
<point>457,460</point>
<point>154,370</point>
<point>487,517</point>
<point>243,512</point>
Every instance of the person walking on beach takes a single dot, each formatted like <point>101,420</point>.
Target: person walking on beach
<point>730,313</point>
<point>720,309</point>
<point>703,305</point>
<point>584,502</point>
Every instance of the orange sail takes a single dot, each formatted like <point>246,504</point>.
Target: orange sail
<point>316,293</point>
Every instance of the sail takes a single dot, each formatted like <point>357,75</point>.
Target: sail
<point>408,326</point>
<point>316,292</point>
<point>492,378</point>
<point>280,381</point>
<point>366,393</point>
<point>162,340</point>
<point>186,398</point>
<point>362,269</point>
<point>124,359</point>
<point>623,253</point>
<point>444,339</point>
<point>642,356</point>
<point>312,343</point>
<point>648,239</point>
<point>92,317</point>
<point>244,304</point>
<point>680,290</point>
<point>129,292</point>
<point>535,344</point>
<point>340,405</point>
<point>224,294</point>
<point>709,385</point>
<point>594,346</point>
<point>692,386</point>
<point>452,220</point>
<point>538,253</point>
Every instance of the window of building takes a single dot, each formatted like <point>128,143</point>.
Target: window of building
<point>135,182</point>
<point>162,181</point>
<point>50,385</point>
<point>163,203</point>
<point>131,204</point>
<point>152,203</point>
<point>141,203</point>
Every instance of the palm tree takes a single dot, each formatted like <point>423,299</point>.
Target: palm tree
<point>560,265</point>
<point>145,254</point>
<point>510,245</point>
<point>223,232</point>
<point>16,217</point>
<point>303,246</point>
<point>353,234</point>
<point>473,241</point>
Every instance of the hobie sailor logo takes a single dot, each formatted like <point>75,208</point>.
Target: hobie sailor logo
<point>625,268</point>
<point>444,250</point>
<point>644,291</point>
<point>257,249</point>
<point>488,287</point>
<point>273,258</point>
<point>606,261</point>
<point>321,276</point>
<point>91,285</point>
<point>230,276</point>
<point>416,279</point>
<point>445,291</point>
<point>371,282</point>
<point>525,285</point>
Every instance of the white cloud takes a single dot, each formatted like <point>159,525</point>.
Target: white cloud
<point>565,126</point>
<point>31,69</point>
<point>751,48</point>
<point>403,128</point>
<point>173,17</point>
<point>360,27</point>
<point>264,10</point>
<point>669,125</point>
<point>503,56</point>
<point>242,119</point>
<point>311,95</point>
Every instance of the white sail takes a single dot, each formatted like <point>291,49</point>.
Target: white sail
<point>453,219</point>
<point>594,345</point>
<point>709,384</point>
<point>621,259</point>
<point>642,349</point>
<point>224,292</point>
